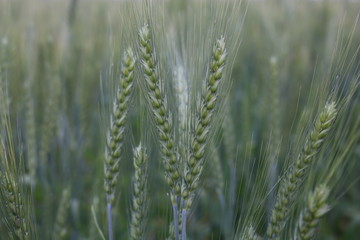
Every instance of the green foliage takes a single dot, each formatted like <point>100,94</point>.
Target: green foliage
<point>247,110</point>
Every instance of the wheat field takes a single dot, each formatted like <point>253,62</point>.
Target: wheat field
<point>179,119</point>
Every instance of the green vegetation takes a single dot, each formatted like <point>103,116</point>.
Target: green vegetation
<point>178,120</point>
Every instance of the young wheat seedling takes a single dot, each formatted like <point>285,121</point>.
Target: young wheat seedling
<point>117,132</point>
<point>293,179</point>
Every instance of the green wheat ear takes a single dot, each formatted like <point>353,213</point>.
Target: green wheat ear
<point>195,163</point>
<point>61,229</point>
<point>15,204</point>
<point>289,186</point>
<point>116,133</point>
<point>160,111</point>
<point>139,199</point>
<point>12,198</point>
<point>316,207</point>
<point>250,234</point>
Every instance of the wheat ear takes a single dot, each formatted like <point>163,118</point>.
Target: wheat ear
<point>49,124</point>
<point>295,176</point>
<point>15,205</point>
<point>163,123</point>
<point>138,208</point>
<point>195,163</point>
<point>159,110</point>
<point>316,207</point>
<point>14,200</point>
<point>250,234</point>
<point>60,229</point>
<point>117,131</point>
<point>200,138</point>
<point>14,212</point>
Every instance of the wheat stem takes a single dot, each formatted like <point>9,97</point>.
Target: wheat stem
<point>96,223</point>
<point>176,219</point>
<point>183,224</point>
<point>31,132</point>
<point>109,218</point>
<point>275,139</point>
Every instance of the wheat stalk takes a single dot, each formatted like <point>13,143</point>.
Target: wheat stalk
<point>275,137</point>
<point>31,132</point>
